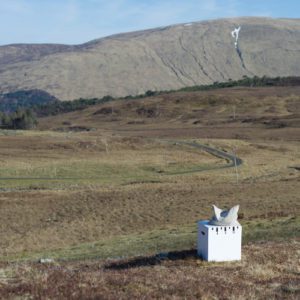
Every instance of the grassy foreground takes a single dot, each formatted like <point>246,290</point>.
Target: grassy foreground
<point>266,271</point>
<point>164,240</point>
<point>126,228</point>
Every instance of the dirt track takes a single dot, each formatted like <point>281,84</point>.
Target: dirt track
<point>234,161</point>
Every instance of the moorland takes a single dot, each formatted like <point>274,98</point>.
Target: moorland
<point>112,194</point>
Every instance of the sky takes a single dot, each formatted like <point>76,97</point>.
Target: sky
<point>79,21</point>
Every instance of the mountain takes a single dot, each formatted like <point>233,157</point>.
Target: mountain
<point>158,59</point>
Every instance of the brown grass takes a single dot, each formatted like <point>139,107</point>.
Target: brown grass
<point>47,215</point>
<point>260,113</point>
<point>267,271</point>
<point>120,189</point>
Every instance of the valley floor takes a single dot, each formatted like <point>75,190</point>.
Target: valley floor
<point>89,187</point>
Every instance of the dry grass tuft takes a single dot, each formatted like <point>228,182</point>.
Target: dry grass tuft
<point>179,275</point>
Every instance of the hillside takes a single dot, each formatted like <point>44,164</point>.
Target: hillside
<point>159,59</point>
<point>112,194</point>
<point>240,112</point>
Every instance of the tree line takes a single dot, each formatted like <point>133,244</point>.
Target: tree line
<point>247,82</point>
<point>58,107</point>
<point>10,102</point>
<point>41,104</point>
<point>20,119</point>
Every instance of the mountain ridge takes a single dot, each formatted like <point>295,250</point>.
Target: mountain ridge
<point>163,58</point>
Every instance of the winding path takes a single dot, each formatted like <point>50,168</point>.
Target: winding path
<point>234,162</point>
<point>233,159</point>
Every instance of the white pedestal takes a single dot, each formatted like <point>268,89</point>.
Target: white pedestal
<point>219,243</point>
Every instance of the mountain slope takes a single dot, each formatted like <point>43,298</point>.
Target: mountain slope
<point>157,59</point>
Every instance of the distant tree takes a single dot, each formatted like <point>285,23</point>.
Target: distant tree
<point>149,93</point>
<point>6,121</point>
<point>1,118</point>
<point>18,120</point>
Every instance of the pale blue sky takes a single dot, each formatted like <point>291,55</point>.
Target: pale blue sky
<point>78,21</point>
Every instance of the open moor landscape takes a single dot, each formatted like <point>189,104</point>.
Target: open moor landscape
<point>112,194</point>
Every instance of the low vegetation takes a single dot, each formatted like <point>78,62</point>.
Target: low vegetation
<point>44,104</point>
<point>267,270</point>
<point>62,190</point>
<point>173,238</point>
<point>113,196</point>
<point>58,107</point>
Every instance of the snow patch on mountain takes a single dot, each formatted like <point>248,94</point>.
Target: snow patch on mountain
<point>235,34</point>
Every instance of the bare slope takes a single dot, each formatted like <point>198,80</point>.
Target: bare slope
<point>158,59</point>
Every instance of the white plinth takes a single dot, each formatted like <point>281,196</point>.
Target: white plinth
<point>219,243</point>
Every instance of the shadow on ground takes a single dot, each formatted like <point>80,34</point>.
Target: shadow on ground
<point>152,260</point>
